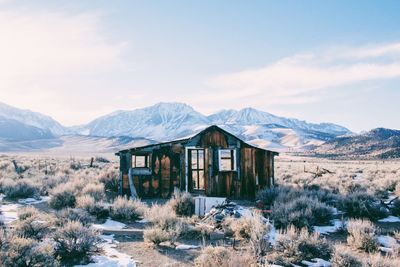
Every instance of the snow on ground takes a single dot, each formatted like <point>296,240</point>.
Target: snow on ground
<point>388,243</point>
<point>358,176</point>
<point>244,212</point>
<point>111,257</point>
<point>271,234</point>
<point>9,212</point>
<point>391,197</point>
<point>390,219</point>
<point>326,230</point>
<point>109,225</point>
<point>143,221</point>
<point>186,247</point>
<point>317,263</point>
<point>30,201</point>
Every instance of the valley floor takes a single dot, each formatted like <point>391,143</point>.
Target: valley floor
<point>324,196</point>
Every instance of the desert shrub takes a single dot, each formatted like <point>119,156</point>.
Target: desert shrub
<point>155,235</point>
<point>93,207</point>
<point>301,212</point>
<point>33,227</point>
<point>344,257</point>
<point>26,212</point>
<point>267,196</point>
<point>362,235</point>
<point>126,209</point>
<point>223,257</point>
<point>377,260</point>
<point>94,190</point>
<point>162,216</point>
<point>293,245</point>
<point>75,165</point>
<point>110,179</point>
<point>182,203</point>
<point>396,207</point>
<point>75,243</point>
<point>102,160</point>
<point>21,188</point>
<point>397,190</point>
<point>25,252</point>
<point>3,239</point>
<point>62,196</point>
<point>79,215</point>
<point>164,219</point>
<point>363,205</point>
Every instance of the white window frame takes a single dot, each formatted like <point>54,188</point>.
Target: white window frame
<point>146,160</point>
<point>234,159</point>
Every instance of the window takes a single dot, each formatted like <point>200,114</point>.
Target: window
<point>227,159</point>
<point>140,161</point>
<point>197,168</point>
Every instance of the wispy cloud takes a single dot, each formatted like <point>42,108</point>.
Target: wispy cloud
<point>53,61</point>
<point>53,43</point>
<point>300,74</point>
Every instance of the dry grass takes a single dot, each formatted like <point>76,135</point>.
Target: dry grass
<point>362,235</point>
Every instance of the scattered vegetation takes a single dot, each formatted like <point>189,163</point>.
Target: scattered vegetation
<point>19,188</point>
<point>301,212</point>
<point>63,196</point>
<point>182,203</point>
<point>344,257</point>
<point>293,245</point>
<point>75,243</point>
<point>223,257</point>
<point>362,235</point>
<point>364,205</point>
<point>126,209</point>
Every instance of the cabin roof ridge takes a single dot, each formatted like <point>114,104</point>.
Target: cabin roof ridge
<point>181,140</point>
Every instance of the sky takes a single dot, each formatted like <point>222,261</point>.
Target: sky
<point>320,61</point>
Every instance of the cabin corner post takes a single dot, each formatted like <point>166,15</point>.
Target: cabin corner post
<point>186,169</point>
<point>120,183</point>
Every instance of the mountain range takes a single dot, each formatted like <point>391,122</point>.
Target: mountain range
<point>163,122</point>
<point>377,143</point>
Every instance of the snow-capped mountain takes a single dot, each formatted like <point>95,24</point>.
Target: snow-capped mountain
<point>30,118</point>
<point>163,121</point>
<point>167,121</point>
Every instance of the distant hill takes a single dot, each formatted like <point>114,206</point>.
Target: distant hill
<point>34,119</point>
<point>73,145</point>
<point>13,130</point>
<point>378,143</point>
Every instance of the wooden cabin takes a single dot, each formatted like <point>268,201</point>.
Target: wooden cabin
<point>213,163</point>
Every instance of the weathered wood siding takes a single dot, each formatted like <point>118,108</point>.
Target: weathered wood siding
<point>168,168</point>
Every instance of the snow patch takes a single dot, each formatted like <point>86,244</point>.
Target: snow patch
<point>186,247</point>
<point>109,225</point>
<point>317,263</point>
<point>31,201</point>
<point>112,257</point>
<point>272,234</point>
<point>386,241</point>
<point>326,230</point>
<point>9,212</point>
<point>390,219</point>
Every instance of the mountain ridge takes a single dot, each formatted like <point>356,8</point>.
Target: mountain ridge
<point>166,121</point>
<point>380,143</point>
